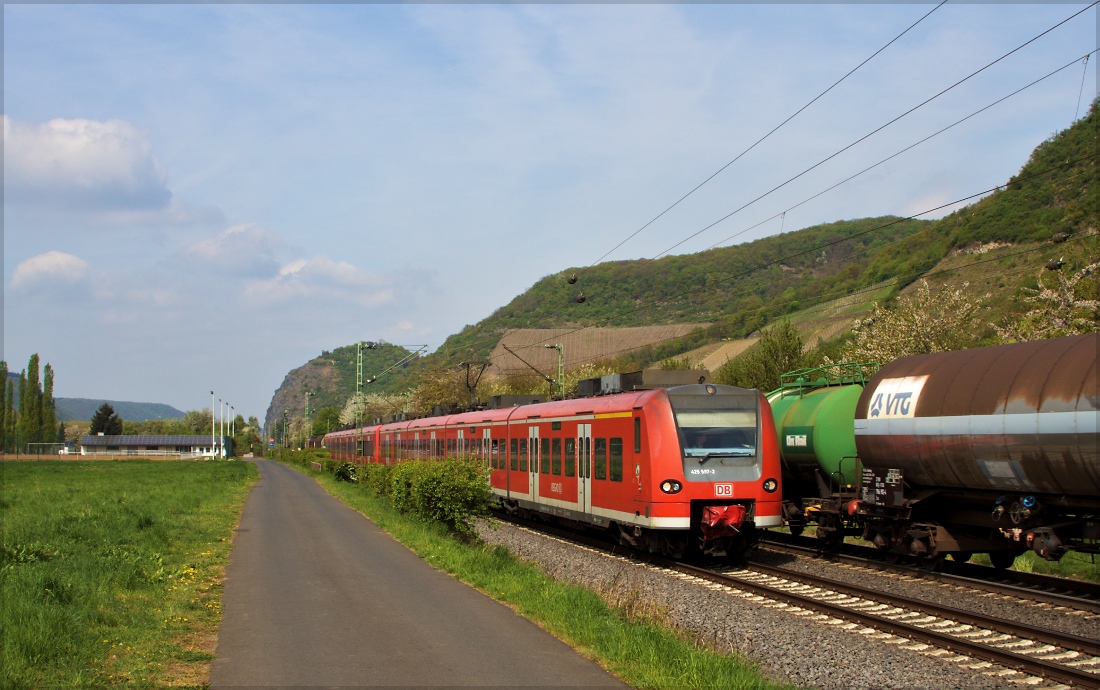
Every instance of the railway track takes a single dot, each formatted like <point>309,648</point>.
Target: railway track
<point>918,625</point>
<point>1057,591</point>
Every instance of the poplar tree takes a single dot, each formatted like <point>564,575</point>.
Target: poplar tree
<point>5,406</point>
<point>22,418</point>
<point>30,404</point>
<point>47,431</point>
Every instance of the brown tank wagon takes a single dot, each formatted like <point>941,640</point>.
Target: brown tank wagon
<point>992,449</point>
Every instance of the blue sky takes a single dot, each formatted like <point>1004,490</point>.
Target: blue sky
<point>206,196</point>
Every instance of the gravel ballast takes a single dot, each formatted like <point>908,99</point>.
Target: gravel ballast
<point>803,648</point>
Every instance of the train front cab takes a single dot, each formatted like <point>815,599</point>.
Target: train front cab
<point>716,460</point>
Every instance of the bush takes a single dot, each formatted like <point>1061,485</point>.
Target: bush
<point>447,491</point>
<point>376,478</point>
<point>346,472</point>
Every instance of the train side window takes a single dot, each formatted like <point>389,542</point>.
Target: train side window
<point>555,459</point>
<point>616,459</point>
<point>546,450</point>
<point>570,463</point>
<point>600,458</point>
<point>546,456</point>
<point>570,455</point>
<point>522,456</point>
<point>637,434</point>
<point>494,456</point>
<point>513,456</point>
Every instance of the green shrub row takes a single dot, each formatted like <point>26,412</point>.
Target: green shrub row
<point>447,491</point>
<point>303,457</point>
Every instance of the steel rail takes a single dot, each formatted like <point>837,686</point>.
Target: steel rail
<point>1002,657</point>
<point>1088,589</point>
<point>1065,640</point>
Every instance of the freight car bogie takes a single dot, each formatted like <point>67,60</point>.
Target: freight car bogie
<point>962,523</point>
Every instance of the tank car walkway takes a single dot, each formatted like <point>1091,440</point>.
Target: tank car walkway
<point>316,595</point>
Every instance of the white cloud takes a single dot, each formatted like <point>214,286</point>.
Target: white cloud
<point>101,170</point>
<point>82,164</point>
<point>51,268</point>
<point>248,248</point>
<point>322,278</point>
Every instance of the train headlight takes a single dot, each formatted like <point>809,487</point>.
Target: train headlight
<point>770,485</point>
<point>671,486</point>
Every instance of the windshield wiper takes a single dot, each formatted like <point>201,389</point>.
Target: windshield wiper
<point>723,454</point>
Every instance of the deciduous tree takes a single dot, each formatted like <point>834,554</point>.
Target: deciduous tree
<point>779,350</point>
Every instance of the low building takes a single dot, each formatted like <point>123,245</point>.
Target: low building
<point>157,446</point>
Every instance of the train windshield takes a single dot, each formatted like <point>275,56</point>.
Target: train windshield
<point>718,432</point>
<point>712,432</point>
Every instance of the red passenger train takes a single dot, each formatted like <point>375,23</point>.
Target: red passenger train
<point>673,470</point>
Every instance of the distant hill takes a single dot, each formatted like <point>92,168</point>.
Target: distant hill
<point>81,409</point>
<point>821,277</point>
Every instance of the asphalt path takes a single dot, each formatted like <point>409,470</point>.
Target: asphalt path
<point>317,595</point>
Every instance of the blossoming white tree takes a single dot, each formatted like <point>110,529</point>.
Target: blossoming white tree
<point>1060,306</point>
<point>921,323</point>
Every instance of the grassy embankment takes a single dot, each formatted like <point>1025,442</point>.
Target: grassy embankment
<point>110,572</point>
<point>635,646</point>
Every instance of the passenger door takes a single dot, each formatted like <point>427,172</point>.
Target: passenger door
<point>533,460</point>
<point>486,445</point>
<point>584,467</point>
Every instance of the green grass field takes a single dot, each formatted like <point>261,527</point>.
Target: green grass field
<point>110,572</point>
<point>634,645</point>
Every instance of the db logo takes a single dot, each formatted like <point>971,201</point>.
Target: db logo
<point>723,489</point>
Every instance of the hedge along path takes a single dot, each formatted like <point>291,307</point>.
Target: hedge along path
<point>638,650</point>
<point>111,571</point>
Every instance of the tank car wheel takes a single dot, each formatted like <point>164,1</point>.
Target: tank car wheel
<point>1002,560</point>
<point>796,530</point>
<point>962,556</point>
<point>932,563</point>
<point>892,558</point>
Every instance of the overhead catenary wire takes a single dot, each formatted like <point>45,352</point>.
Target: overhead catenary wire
<point>907,148</point>
<point>773,131</point>
<point>825,245</point>
<point>876,130</point>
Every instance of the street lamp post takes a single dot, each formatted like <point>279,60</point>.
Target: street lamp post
<point>213,445</point>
